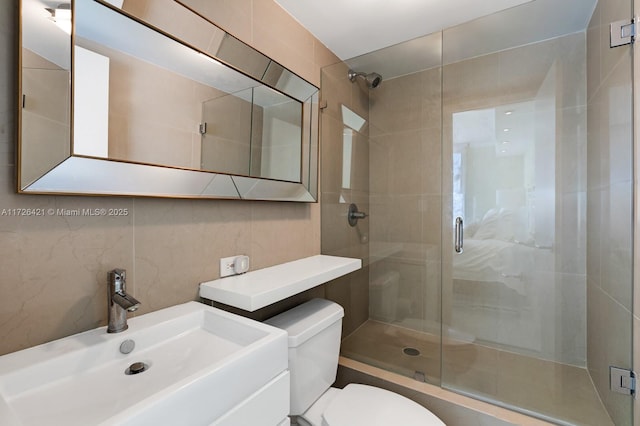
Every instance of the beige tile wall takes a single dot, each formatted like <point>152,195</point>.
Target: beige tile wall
<point>338,238</point>
<point>406,206</point>
<point>609,212</point>
<point>54,268</point>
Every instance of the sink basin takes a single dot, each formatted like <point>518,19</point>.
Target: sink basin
<point>201,361</point>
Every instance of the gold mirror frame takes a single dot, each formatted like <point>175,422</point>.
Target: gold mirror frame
<point>85,175</point>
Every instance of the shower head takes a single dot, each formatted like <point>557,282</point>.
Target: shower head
<point>373,79</point>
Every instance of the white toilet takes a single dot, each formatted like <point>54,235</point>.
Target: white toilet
<point>314,330</point>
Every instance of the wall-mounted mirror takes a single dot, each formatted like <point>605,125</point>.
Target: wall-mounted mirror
<point>148,98</point>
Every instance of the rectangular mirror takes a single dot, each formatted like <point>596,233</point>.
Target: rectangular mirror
<point>143,98</point>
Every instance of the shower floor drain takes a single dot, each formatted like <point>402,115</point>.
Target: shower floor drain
<point>411,351</point>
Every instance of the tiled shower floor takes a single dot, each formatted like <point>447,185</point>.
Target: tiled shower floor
<point>558,391</point>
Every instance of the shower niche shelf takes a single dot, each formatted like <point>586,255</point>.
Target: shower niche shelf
<point>260,288</point>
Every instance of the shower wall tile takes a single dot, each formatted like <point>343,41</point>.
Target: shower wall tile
<point>610,178</point>
<point>470,82</point>
<point>594,236</point>
<point>352,293</point>
<point>432,153</point>
<point>569,313</point>
<point>522,70</point>
<point>571,132</point>
<point>615,113</point>
<point>55,266</point>
<point>430,207</point>
<point>406,218</point>
<point>573,51</point>
<point>380,218</point>
<point>334,217</point>
<point>611,326</point>
<point>594,53</point>
<point>337,236</point>
<point>407,162</point>
<point>431,86</point>
<point>360,154</point>
<point>407,103</point>
<point>597,153</point>
<point>571,241</point>
<point>610,11</point>
<point>515,75</point>
<point>379,154</point>
<point>405,179</point>
<point>616,248</point>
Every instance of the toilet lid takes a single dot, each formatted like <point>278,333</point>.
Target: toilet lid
<point>371,406</point>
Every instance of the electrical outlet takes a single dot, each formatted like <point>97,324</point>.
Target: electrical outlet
<point>230,265</point>
<point>226,266</point>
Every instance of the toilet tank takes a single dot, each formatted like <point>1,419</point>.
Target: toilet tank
<point>314,330</point>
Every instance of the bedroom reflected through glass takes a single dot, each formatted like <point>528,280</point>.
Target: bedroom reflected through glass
<point>508,211</point>
<point>515,160</point>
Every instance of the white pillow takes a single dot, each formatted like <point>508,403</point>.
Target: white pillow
<point>496,225</point>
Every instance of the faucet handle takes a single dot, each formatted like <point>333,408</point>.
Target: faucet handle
<point>119,274</point>
<point>119,302</point>
<point>117,279</point>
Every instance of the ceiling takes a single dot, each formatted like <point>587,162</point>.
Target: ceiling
<point>351,28</point>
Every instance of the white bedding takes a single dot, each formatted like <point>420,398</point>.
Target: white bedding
<point>492,260</point>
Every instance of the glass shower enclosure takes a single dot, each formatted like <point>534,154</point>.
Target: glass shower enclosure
<point>494,162</point>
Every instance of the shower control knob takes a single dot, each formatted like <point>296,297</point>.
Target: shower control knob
<point>354,215</point>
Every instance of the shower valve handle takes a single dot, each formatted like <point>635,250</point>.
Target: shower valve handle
<point>354,215</point>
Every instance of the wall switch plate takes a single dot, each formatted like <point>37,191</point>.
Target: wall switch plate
<point>233,265</point>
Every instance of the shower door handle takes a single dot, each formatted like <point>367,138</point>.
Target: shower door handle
<point>458,235</point>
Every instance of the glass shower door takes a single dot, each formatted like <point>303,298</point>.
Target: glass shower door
<point>537,139</point>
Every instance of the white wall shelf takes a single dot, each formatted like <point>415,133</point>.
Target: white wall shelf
<point>257,289</point>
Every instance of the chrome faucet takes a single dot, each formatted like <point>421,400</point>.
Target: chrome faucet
<point>119,301</point>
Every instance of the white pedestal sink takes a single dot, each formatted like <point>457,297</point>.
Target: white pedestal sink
<point>204,364</point>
